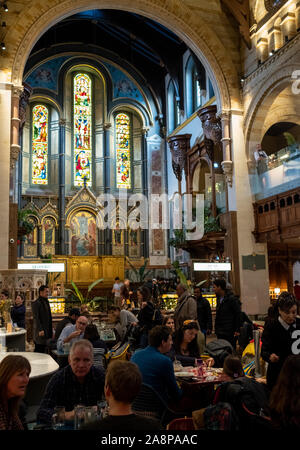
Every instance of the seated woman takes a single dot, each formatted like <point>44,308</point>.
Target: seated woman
<point>18,311</point>
<point>14,377</point>
<point>285,397</point>
<point>186,347</point>
<point>233,368</point>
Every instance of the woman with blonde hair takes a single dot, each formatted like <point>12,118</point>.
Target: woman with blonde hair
<point>14,378</point>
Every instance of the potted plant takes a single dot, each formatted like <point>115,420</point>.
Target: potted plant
<point>92,303</point>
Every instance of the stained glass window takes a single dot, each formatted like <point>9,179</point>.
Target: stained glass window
<point>82,129</point>
<point>123,151</point>
<point>40,119</point>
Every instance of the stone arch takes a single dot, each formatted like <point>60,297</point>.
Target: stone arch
<point>190,27</point>
<point>255,119</point>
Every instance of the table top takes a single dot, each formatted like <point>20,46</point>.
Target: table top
<point>41,363</point>
<point>211,377</point>
<point>15,333</point>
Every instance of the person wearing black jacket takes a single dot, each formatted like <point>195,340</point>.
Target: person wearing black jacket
<point>18,311</point>
<point>146,314</point>
<point>203,312</point>
<point>281,337</point>
<point>42,320</point>
<point>227,323</point>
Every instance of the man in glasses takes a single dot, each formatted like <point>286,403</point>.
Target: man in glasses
<point>72,333</point>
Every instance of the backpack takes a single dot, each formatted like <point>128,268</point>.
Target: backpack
<point>220,417</point>
<point>218,350</point>
<point>247,397</point>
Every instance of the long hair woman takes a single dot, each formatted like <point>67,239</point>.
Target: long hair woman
<point>186,347</point>
<point>285,396</point>
<point>14,378</point>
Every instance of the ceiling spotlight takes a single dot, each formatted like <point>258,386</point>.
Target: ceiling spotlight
<point>3,46</point>
<point>4,6</point>
<point>271,53</point>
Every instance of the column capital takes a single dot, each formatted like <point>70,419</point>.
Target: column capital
<point>14,154</point>
<point>227,169</point>
<point>17,91</point>
<point>145,130</point>
<point>62,122</point>
<point>106,125</point>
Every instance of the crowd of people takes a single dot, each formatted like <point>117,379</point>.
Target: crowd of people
<point>160,341</point>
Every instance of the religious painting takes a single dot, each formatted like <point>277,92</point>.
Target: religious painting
<point>123,151</point>
<point>134,242</point>
<point>118,240</point>
<point>30,243</point>
<point>82,122</point>
<point>83,234</point>
<point>40,117</point>
<point>48,230</point>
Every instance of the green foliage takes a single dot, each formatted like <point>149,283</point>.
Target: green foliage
<point>85,300</point>
<point>23,224</point>
<point>141,274</point>
<point>180,274</point>
<point>211,223</point>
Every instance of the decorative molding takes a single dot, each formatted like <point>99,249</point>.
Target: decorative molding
<point>14,154</point>
<point>23,103</point>
<point>179,146</point>
<point>227,169</point>
<point>212,129</point>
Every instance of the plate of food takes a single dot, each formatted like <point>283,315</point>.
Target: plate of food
<point>184,374</point>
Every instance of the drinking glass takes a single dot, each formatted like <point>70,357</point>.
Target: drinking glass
<point>102,409</point>
<point>199,364</point>
<point>90,414</point>
<point>79,412</point>
<point>58,418</point>
<point>67,346</point>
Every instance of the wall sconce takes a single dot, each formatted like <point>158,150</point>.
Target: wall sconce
<point>277,291</point>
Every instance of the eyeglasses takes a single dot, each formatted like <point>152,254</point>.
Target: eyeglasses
<point>82,323</point>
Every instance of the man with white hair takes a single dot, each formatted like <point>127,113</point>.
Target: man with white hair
<point>78,383</point>
<point>186,308</point>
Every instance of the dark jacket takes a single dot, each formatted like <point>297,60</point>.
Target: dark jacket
<point>227,315</point>
<point>145,317</point>
<point>204,313</point>
<point>42,320</point>
<point>61,325</point>
<point>275,339</point>
<point>17,314</point>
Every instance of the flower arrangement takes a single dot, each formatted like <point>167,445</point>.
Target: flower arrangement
<point>5,306</point>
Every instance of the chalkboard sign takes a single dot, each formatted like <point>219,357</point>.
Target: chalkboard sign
<point>254,262</point>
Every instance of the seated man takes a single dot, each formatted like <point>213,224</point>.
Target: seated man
<point>72,333</point>
<point>70,319</point>
<point>122,384</point>
<point>156,368</point>
<point>122,319</point>
<point>78,383</point>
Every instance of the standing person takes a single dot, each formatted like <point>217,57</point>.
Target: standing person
<point>145,315</point>
<point>18,311</point>
<point>116,290</point>
<point>42,320</point>
<point>14,378</point>
<point>297,294</point>
<point>227,323</point>
<point>261,159</point>
<point>126,294</point>
<point>203,312</point>
<point>186,308</point>
<point>280,337</point>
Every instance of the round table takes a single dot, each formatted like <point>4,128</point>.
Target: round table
<point>15,340</point>
<point>43,367</point>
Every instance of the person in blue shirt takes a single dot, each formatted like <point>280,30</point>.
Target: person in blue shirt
<point>156,368</point>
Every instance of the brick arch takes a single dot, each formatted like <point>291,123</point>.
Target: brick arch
<point>189,26</point>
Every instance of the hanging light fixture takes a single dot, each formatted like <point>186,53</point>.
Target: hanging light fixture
<point>3,46</point>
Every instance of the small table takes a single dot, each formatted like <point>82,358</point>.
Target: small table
<point>61,357</point>
<point>15,340</point>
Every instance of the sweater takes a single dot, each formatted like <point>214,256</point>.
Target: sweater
<point>158,372</point>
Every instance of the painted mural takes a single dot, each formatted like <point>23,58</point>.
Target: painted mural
<point>46,75</point>
<point>82,129</point>
<point>40,120</point>
<point>30,243</point>
<point>48,230</point>
<point>83,234</point>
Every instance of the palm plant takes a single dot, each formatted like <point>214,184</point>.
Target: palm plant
<point>86,300</point>
<point>141,274</point>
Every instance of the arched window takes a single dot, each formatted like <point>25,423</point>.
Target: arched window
<point>122,126</point>
<point>173,109</point>
<point>39,145</point>
<point>192,87</point>
<point>82,129</point>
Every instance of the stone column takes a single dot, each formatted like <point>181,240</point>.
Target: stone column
<point>62,187</point>
<point>39,240</point>
<point>144,160</point>
<point>106,152</point>
<point>179,146</point>
<point>212,132</point>
<point>254,284</point>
